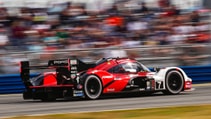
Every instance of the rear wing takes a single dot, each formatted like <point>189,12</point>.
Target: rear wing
<point>73,66</point>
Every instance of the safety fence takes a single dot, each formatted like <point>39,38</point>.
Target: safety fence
<point>12,83</point>
<point>151,56</point>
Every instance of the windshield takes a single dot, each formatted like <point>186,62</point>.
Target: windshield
<point>144,67</point>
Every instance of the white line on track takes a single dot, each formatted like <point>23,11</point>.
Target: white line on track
<point>155,107</point>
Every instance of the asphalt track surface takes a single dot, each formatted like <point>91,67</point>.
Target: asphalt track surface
<point>14,105</point>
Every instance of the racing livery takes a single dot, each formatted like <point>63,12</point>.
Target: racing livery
<point>74,78</point>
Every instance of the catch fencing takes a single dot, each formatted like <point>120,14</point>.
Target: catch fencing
<point>151,56</point>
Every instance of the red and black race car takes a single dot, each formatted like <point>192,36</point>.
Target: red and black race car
<point>74,78</point>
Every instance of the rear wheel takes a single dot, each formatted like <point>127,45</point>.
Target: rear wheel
<point>174,82</point>
<point>92,87</point>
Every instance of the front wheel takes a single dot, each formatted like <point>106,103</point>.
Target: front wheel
<point>174,82</point>
<point>92,87</point>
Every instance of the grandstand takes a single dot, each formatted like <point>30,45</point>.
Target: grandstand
<point>157,32</point>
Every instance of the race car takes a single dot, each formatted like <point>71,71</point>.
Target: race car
<point>72,77</point>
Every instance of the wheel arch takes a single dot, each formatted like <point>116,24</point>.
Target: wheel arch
<point>175,69</point>
<point>87,75</point>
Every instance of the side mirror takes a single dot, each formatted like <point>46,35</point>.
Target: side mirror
<point>156,69</point>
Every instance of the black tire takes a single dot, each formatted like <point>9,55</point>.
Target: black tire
<point>92,87</point>
<point>174,82</point>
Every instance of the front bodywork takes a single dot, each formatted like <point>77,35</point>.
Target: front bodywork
<point>160,77</point>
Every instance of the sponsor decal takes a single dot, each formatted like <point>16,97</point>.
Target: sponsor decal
<point>118,78</point>
<point>60,61</point>
<point>107,77</point>
<point>148,85</point>
<point>73,62</point>
<point>110,89</point>
<point>159,84</point>
<point>77,93</point>
<point>73,68</point>
<point>142,89</point>
<point>133,75</point>
<point>73,72</point>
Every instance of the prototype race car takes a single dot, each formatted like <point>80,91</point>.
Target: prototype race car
<point>74,78</point>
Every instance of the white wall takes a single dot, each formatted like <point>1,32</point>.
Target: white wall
<point>186,4</point>
<point>96,4</point>
<point>11,3</point>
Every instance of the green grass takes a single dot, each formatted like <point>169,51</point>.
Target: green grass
<point>184,112</point>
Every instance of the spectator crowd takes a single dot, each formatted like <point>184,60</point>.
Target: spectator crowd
<point>71,26</point>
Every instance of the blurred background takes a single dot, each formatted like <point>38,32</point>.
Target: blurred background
<point>156,32</point>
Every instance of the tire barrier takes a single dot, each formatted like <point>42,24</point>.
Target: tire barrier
<point>12,83</point>
<point>199,74</point>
